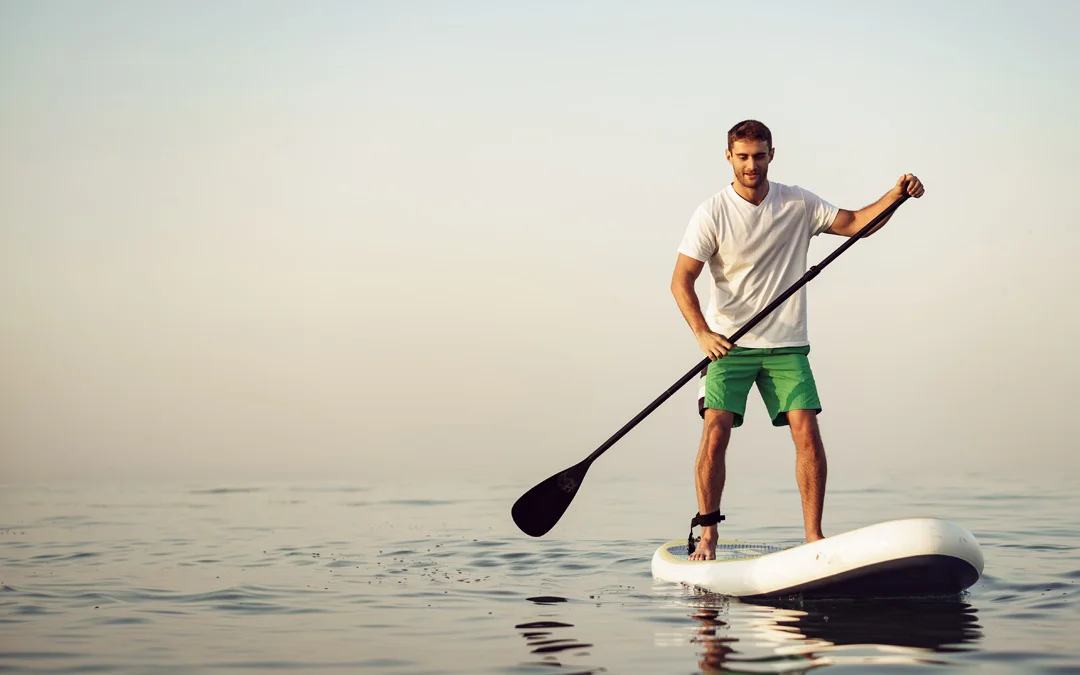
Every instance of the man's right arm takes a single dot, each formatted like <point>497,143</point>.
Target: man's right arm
<point>687,270</point>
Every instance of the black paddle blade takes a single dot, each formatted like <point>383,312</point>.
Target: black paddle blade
<point>537,511</point>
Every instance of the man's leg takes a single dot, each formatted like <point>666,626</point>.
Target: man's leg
<point>787,386</point>
<point>810,469</point>
<point>710,474</point>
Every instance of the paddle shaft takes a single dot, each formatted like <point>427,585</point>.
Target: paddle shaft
<point>810,274</point>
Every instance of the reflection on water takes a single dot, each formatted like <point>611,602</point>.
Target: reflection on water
<point>545,638</point>
<point>786,636</point>
<point>924,623</point>
<point>800,635</point>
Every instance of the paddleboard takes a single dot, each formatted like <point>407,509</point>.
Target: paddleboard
<point>897,558</point>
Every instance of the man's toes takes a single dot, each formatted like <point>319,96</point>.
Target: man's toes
<point>702,555</point>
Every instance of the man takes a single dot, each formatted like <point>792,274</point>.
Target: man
<point>754,234</point>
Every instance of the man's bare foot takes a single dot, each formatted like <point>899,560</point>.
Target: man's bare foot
<point>814,537</point>
<point>706,548</point>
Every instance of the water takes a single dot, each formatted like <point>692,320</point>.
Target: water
<point>408,579</point>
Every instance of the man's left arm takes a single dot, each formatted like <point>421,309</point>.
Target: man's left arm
<point>847,223</point>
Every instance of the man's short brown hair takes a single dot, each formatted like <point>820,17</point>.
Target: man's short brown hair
<point>749,130</point>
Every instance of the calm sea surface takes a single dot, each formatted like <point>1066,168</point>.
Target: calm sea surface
<point>412,579</point>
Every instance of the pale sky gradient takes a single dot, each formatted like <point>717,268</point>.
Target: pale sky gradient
<point>245,241</point>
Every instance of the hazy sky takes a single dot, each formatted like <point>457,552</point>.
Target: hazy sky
<point>362,240</point>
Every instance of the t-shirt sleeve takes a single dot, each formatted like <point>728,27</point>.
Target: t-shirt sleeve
<point>700,242</point>
<point>821,213</point>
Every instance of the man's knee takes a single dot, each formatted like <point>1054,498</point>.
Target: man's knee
<point>804,425</point>
<point>718,424</point>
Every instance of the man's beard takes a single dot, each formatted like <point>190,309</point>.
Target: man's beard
<point>758,180</point>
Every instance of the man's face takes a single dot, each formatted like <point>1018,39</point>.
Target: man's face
<point>750,160</point>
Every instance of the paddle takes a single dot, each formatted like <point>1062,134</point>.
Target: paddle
<point>537,511</point>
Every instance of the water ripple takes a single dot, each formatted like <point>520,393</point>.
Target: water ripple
<point>231,578</point>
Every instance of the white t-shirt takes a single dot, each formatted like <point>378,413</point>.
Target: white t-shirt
<point>755,253</point>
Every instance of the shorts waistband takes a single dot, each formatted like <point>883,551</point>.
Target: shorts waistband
<point>769,351</point>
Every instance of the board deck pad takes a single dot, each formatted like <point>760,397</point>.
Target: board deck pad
<point>729,551</point>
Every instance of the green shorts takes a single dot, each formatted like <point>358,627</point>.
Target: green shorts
<point>782,375</point>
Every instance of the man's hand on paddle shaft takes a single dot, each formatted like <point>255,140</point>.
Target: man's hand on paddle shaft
<point>908,184</point>
<point>713,344</point>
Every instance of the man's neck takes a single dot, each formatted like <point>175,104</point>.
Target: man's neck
<point>753,195</point>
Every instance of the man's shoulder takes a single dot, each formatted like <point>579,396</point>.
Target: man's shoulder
<point>795,193</point>
<point>787,192</point>
<point>711,209</point>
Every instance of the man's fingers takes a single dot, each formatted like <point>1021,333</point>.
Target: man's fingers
<point>717,347</point>
<point>722,346</point>
<point>911,184</point>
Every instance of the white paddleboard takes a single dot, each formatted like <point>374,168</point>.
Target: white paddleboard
<point>898,558</point>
